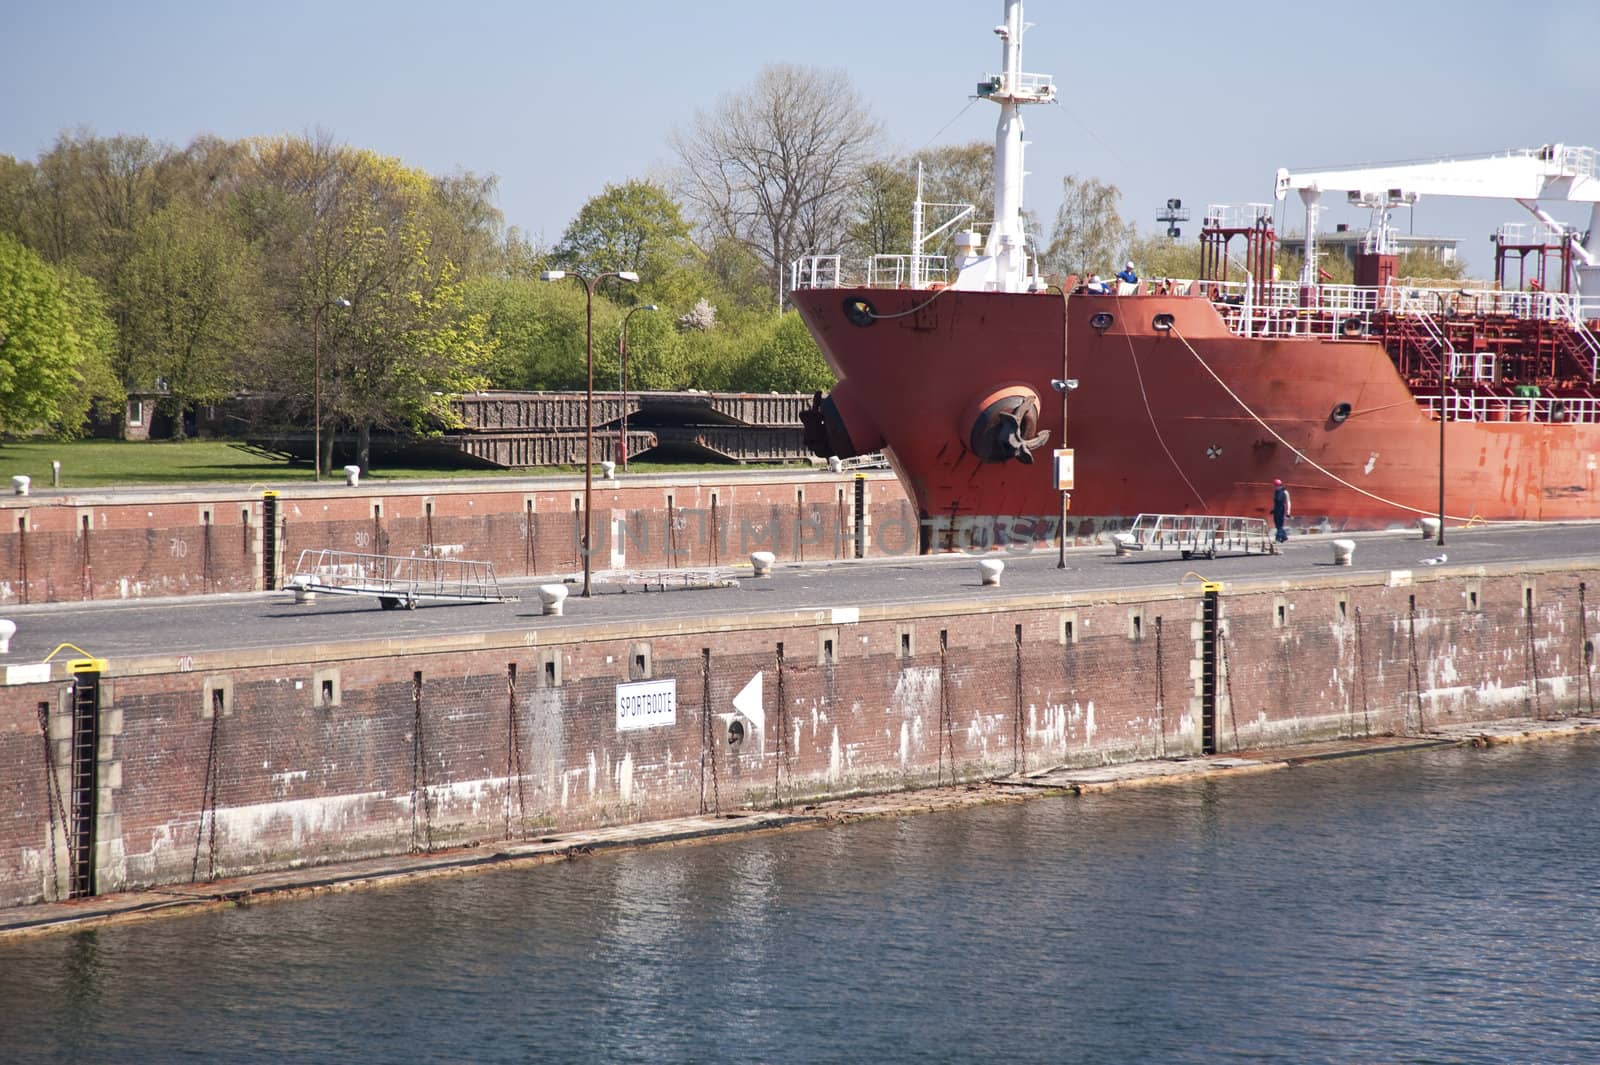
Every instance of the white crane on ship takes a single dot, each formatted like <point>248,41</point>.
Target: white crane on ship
<point>1555,172</point>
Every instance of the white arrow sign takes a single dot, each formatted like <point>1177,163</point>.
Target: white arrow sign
<point>748,703</point>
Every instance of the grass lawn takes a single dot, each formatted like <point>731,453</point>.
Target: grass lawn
<point>119,463</point>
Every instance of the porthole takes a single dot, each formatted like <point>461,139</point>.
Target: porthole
<point>859,312</point>
<point>1102,321</point>
<point>1340,412</point>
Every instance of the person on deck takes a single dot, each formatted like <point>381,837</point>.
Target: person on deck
<point>1096,286</point>
<point>1128,275</point>
<point>1280,509</point>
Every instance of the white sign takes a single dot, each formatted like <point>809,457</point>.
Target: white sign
<point>36,673</point>
<point>1064,469</point>
<point>647,704</point>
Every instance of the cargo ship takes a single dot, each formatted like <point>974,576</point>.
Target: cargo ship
<point>1012,407</point>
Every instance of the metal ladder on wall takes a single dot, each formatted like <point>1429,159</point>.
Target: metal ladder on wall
<point>84,804</point>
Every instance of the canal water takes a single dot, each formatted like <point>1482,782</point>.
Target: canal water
<point>1431,907</point>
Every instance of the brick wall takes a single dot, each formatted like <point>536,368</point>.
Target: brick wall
<point>68,548</point>
<point>329,755</point>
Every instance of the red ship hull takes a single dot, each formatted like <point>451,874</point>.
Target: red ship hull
<point>1190,419</point>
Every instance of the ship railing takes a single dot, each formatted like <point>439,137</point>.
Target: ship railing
<point>1553,410</point>
<point>816,271</point>
<point>904,271</point>
<point>395,580</point>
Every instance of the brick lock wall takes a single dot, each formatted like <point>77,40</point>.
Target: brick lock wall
<point>74,548</point>
<point>320,760</point>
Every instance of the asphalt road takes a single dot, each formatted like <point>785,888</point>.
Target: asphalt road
<point>273,620</point>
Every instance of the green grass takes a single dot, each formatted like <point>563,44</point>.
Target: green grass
<point>119,463</point>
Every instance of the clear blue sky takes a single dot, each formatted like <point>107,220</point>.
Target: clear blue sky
<point>1159,97</point>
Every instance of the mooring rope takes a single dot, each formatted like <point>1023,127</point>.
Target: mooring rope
<point>1301,456</point>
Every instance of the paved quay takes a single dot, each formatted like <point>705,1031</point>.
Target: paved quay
<point>286,885</point>
<point>272,621</point>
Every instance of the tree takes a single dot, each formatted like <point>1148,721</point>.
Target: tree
<point>884,201</point>
<point>1162,256</point>
<point>1089,235</point>
<point>189,290</point>
<point>631,226</point>
<point>341,224</point>
<point>773,167</point>
<point>783,359</point>
<point>54,344</point>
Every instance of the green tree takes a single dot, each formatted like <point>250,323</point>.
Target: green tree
<point>54,343</point>
<point>189,290</point>
<point>632,226</point>
<point>883,205</point>
<point>344,225</point>
<point>1162,256</point>
<point>782,358</point>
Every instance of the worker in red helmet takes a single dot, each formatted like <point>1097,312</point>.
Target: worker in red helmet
<point>1280,509</point>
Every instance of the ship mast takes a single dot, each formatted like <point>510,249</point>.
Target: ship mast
<point>1003,264</point>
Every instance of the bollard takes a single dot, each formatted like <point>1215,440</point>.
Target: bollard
<point>302,594</point>
<point>761,562</point>
<point>1343,550</point>
<point>608,470</point>
<point>1430,528</point>
<point>1124,542</point>
<point>352,475</point>
<point>20,483</point>
<point>8,629</point>
<point>553,596</point>
<point>55,473</point>
<point>835,464</point>
<point>991,568</point>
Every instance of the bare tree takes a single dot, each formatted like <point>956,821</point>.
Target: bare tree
<point>1089,235</point>
<point>774,165</point>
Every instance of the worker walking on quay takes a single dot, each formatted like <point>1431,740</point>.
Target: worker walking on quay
<point>1280,509</point>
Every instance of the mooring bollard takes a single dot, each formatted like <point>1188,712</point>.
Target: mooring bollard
<point>835,464</point>
<point>608,470</point>
<point>991,568</point>
<point>553,596</point>
<point>352,475</point>
<point>1343,550</point>
<point>1124,542</point>
<point>20,483</point>
<point>55,473</point>
<point>8,629</point>
<point>761,562</point>
<point>302,594</point>
<point>1430,528</point>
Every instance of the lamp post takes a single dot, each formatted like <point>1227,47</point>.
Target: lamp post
<point>622,350</point>
<point>588,401</point>
<point>316,384</point>
<point>1063,385</point>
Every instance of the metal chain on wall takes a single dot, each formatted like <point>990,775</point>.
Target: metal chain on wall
<point>1530,657</point>
<point>1161,696</point>
<point>1416,669</point>
<point>55,806</point>
<point>514,757</point>
<point>208,803</point>
<point>1019,732</point>
<point>781,749</point>
<point>708,742</point>
<point>946,736</point>
<point>1585,648</point>
<point>1227,681</point>
<point>1361,675</point>
<point>419,775</point>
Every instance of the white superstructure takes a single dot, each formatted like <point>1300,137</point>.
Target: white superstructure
<point>1004,263</point>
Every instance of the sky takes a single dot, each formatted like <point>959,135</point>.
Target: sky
<point>1162,98</point>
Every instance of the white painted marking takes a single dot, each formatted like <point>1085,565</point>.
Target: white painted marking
<point>748,702</point>
<point>845,615</point>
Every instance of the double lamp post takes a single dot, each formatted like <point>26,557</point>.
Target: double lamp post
<point>588,402</point>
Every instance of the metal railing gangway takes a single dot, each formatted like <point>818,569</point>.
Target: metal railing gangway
<point>872,460</point>
<point>395,580</point>
<point>1196,534</point>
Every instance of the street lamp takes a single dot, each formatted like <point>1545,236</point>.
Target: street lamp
<point>622,350</point>
<point>588,402</point>
<point>1063,385</point>
<point>316,384</point>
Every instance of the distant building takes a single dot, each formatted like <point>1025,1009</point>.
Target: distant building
<point>1343,238</point>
